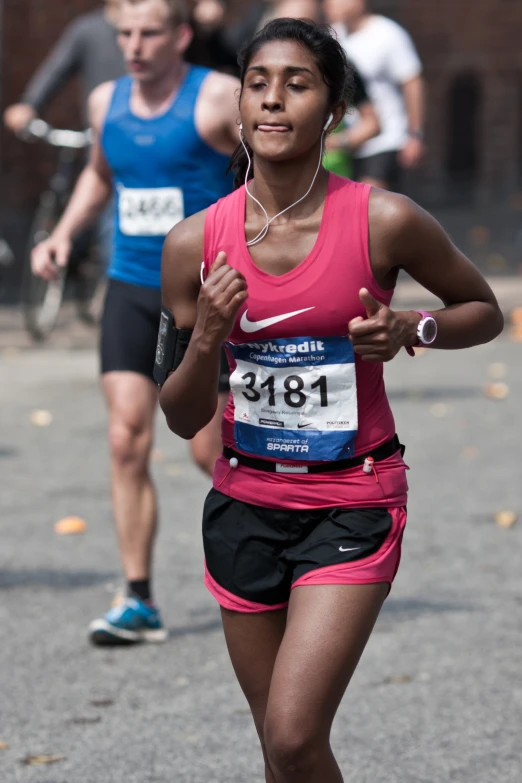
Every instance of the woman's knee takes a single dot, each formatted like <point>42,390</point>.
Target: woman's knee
<point>293,749</point>
<point>130,443</point>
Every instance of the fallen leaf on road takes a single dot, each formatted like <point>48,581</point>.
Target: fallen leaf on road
<point>41,418</point>
<point>515,333</point>
<point>85,721</point>
<point>34,761</point>
<point>4,746</point>
<point>102,702</point>
<point>505,519</point>
<point>496,391</point>
<point>70,526</point>
<point>497,371</point>
<point>516,316</point>
<point>439,410</point>
<point>397,679</point>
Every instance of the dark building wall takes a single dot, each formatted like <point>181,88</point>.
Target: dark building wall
<point>30,28</point>
<point>459,42</point>
<point>475,44</point>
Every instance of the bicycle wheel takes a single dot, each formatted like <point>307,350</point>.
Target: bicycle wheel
<point>42,299</point>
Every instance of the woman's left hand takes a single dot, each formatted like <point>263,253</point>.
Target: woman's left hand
<point>380,336</point>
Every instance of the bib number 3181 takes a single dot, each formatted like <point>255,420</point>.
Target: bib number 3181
<point>294,395</point>
<point>295,398</point>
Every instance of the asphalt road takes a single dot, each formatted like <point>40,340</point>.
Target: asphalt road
<point>438,694</point>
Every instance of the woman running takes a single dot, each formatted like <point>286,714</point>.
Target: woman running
<point>302,531</point>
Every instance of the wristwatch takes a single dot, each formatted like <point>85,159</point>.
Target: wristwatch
<point>426,331</point>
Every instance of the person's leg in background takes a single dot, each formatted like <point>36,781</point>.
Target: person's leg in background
<point>128,346</point>
<point>207,446</point>
<point>132,401</point>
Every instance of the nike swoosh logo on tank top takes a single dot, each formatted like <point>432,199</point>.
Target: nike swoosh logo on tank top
<point>255,326</point>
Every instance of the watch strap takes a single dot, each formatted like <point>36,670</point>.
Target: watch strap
<point>418,344</point>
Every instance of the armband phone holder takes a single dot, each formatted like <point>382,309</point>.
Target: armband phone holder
<point>171,348</point>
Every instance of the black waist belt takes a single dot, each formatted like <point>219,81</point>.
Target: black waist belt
<point>384,451</point>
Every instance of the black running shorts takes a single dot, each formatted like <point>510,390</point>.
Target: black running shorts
<point>129,333</point>
<point>256,555</point>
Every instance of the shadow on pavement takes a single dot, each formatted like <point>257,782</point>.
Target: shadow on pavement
<point>196,630</point>
<point>438,393</point>
<point>411,608</point>
<point>54,580</point>
<point>7,452</point>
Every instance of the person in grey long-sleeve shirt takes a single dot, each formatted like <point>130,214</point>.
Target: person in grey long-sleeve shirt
<point>87,48</point>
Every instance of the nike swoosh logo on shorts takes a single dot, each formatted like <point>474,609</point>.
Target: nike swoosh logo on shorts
<point>255,326</point>
<point>353,549</point>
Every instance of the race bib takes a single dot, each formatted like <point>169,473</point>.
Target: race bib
<point>149,211</point>
<point>295,398</point>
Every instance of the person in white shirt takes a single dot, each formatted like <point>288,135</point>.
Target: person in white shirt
<point>385,55</point>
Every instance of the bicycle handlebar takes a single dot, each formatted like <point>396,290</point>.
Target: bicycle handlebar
<point>39,129</point>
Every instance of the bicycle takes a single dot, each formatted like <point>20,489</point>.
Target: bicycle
<point>6,260</point>
<point>42,299</point>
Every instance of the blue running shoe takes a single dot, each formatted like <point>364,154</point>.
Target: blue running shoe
<point>131,622</point>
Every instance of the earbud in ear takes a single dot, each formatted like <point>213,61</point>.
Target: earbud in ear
<point>328,122</point>
<point>241,127</point>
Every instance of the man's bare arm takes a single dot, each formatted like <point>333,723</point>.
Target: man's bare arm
<point>92,191</point>
<point>94,187</point>
<point>414,92</point>
<point>217,112</point>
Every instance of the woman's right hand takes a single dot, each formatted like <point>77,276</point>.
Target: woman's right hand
<point>220,297</point>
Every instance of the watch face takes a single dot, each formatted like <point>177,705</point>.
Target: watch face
<point>429,330</point>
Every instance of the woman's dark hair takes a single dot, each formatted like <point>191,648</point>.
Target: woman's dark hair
<point>328,54</point>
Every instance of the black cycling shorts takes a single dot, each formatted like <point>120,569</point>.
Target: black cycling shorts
<point>256,555</point>
<point>384,167</point>
<point>129,333</point>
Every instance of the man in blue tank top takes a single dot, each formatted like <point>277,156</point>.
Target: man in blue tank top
<point>163,137</point>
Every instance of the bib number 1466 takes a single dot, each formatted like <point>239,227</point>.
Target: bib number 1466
<point>294,386</point>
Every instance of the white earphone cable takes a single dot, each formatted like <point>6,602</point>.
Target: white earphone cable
<point>264,231</point>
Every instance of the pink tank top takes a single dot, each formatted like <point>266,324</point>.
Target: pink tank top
<point>316,301</point>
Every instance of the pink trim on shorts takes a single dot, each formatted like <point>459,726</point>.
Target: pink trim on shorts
<point>233,602</point>
<point>379,567</point>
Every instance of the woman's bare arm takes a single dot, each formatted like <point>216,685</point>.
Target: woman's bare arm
<point>402,235</point>
<point>189,396</point>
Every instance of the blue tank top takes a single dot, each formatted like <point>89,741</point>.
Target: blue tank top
<point>163,172</point>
